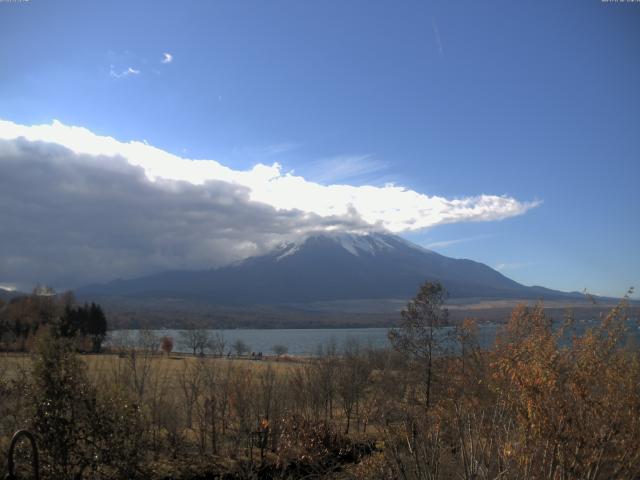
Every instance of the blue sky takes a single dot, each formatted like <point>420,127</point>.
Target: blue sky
<point>533,100</point>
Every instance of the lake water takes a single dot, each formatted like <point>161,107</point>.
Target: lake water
<point>307,341</point>
<point>298,341</point>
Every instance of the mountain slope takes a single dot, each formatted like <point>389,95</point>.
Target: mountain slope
<point>6,294</point>
<point>328,267</point>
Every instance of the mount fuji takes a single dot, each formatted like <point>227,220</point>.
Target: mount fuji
<point>329,267</point>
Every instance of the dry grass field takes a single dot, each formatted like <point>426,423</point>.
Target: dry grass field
<point>16,365</point>
<point>531,406</point>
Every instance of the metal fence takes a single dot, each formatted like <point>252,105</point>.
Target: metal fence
<point>11,461</point>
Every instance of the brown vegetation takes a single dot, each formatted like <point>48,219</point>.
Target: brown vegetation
<point>542,403</point>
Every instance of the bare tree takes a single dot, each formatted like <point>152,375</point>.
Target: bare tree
<point>325,372</point>
<point>279,349</point>
<point>416,334</point>
<point>138,371</point>
<point>148,341</point>
<point>218,343</point>
<point>353,376</point>
<point>196,339</point>
<point>121,341</point>
<point>240,347</point>
<point>190,381</point>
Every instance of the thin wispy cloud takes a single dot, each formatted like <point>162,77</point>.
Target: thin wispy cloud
<point>501,267</point>
<point>344,167</point>
<point>257,152</point>
<point>456,241</point>
<point>167,58</point>
<point>436,33</point>
<point>128,72</point>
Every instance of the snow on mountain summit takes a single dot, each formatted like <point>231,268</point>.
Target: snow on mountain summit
<point>328,266</point>
<point>355,243</point>
<point>286,249</point>
<point>362,243</point>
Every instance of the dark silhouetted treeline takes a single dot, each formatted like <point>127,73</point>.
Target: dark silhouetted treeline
<point>23,318</point>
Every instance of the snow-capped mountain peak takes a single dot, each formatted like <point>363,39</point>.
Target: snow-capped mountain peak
<point>370,243</point>
<point>356,244</point>
<point>286,249</point>
<point>329,266</point>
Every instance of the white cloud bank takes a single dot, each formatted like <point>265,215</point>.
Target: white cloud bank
<point>391,207</point>
<point>76,208</point>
